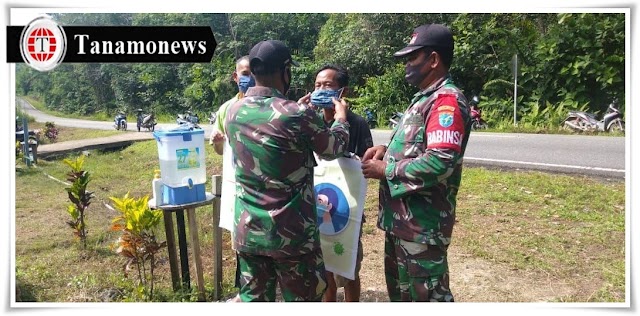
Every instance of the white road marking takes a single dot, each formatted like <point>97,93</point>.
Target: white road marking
<point>547,164</point>
<point>492,135</point>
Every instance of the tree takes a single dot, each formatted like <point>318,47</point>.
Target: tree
<point>581,59</point>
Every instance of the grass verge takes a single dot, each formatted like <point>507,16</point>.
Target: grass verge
<point>71,133</point>
<point>569,228</point>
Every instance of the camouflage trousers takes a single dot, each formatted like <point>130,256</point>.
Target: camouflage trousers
<point>301,278</point>
<point>416,272</point>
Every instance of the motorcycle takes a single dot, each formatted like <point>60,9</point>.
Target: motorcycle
<point>147,121</point>
<point>120,121</point>
<point>212,118</point>
<point>188,119</point>
<point>476,115</point>
<point>395,119</point>
<point>371,118</point>
<point>32,140</point>
<point>584,122</point>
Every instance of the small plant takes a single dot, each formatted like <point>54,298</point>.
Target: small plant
<point>19,154</point>
<point>51,132</point>
<point>138,241</point>
<point>79,196</point>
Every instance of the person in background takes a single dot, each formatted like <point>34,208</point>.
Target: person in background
<point>243,78</point>
<point>420,172</point>
<point>333,81</point>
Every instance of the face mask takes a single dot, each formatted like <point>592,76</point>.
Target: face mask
<point>414,75</point>
<point>322,98</point>
<point>320,209</point>
<point>245,82</point>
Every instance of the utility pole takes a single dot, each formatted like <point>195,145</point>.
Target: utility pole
<point>515,89</point>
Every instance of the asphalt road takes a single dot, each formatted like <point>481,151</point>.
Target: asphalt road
<point>576,154</point>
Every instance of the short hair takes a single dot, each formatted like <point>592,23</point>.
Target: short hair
<point>238,61</point>
<point>342,76</point>
<point>243,58</point>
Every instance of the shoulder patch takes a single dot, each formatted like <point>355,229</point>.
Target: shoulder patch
<point>445,128</point>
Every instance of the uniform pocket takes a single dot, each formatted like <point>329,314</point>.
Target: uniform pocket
<point>431,262</point>
<point>413,129</point>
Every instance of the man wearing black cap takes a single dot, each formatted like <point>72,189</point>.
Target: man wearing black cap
<point>272,140</point>
<point>420,171</point>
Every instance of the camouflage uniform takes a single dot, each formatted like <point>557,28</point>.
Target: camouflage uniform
<point>418,198</point>
<point>273,140</point>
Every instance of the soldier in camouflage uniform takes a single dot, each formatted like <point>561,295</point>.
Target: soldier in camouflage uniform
<point>420,172</point>
<point>272,141</point>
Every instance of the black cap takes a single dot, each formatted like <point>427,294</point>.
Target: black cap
<point>436,36</point>
<point>272,53</point>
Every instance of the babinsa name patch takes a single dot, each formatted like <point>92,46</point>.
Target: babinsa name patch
<point>445,128</point>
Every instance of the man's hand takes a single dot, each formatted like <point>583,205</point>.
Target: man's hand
<point>374,169</point>
<point>217,140</point>
<point>375,152</point>
<point>306,99</point>
<point>340,106</point>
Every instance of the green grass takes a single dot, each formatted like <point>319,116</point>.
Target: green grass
<point>558,130</point>
<point>51,265</point>
<point>569,228</point>
<point>556,224</point>
<point>71,133</point>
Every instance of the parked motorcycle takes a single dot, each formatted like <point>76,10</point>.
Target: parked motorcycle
<point>372,121</point>
<point>188,119</point>
<point>32,140</point>
<point>147,121</point>
<point>476,115</point>
<point>33,137</point>
<point>120,121</point>
<point>583,121</point>
<point>395,119</point>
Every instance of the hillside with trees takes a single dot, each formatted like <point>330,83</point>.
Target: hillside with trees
<point>565,61</point>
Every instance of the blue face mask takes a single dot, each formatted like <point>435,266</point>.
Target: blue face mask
<point>245,82</point>
<point>320,209</point>
<point>322,98</point>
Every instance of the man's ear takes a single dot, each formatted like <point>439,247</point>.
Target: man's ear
<point>437,60</point>
<point>234,76</point>
<point>345,92</point>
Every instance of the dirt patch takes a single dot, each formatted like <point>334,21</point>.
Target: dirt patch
<point>472,279</point>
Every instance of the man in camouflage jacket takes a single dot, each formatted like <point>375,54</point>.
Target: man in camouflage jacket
<point>420,172</point>
<point>272,141</point>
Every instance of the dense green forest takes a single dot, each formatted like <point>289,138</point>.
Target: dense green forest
<point>566,61</point>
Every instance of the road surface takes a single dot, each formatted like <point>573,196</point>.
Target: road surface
<point>577,154</point>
